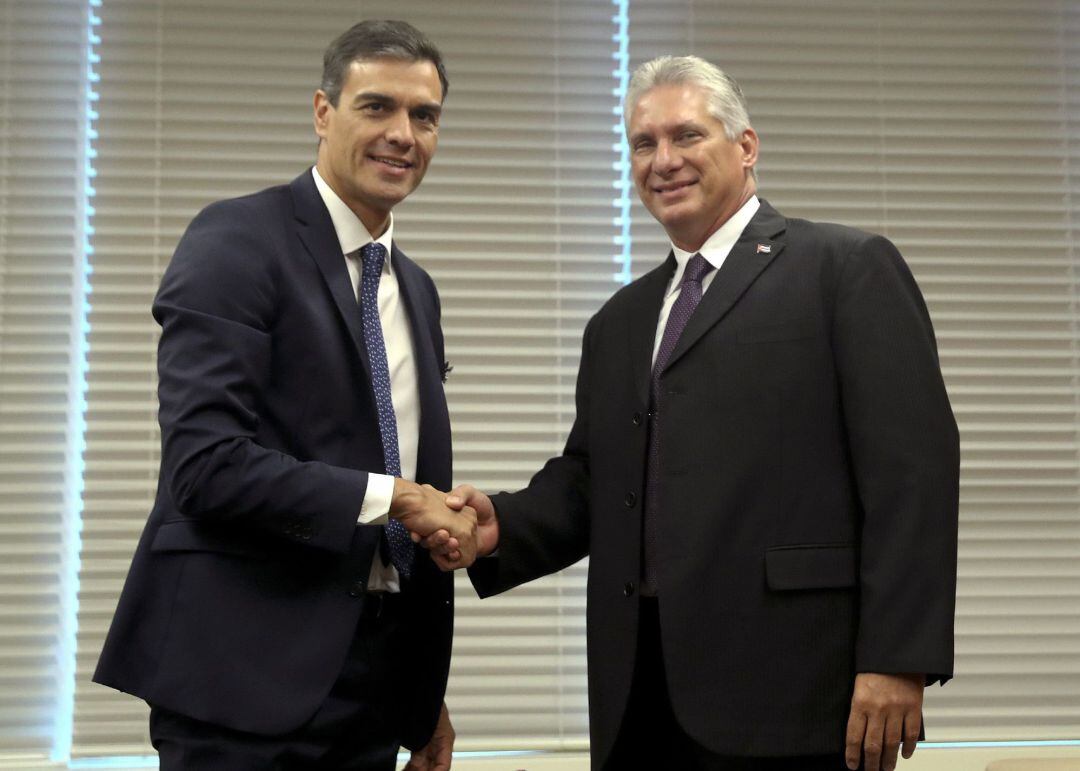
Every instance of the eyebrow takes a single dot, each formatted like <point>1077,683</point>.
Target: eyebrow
<point>689,124</point>
<point>375,96</point>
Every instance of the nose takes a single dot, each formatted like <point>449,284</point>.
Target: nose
<point>666,159</point>
<point>399,130</point>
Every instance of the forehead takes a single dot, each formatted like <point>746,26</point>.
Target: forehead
<point>671,104</point>
<point>405,80</point>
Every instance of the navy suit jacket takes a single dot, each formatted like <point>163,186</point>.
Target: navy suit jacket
<point>247,584</point>
<point>809,489</point>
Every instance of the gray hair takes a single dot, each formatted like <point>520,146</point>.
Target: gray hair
<point>726,101</point>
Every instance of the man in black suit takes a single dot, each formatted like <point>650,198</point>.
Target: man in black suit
<point>763,471</point>
<point>276,614</point>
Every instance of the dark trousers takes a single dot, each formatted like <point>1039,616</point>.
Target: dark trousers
<point>358,726</point>
<point>650,735</point>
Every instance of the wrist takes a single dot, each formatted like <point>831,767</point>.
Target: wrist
<point>405,498</point>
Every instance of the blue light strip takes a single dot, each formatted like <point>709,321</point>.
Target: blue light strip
<point>69,600</point>
<point>622,184</point>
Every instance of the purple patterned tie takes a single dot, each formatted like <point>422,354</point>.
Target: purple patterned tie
<point>685,303</point>
<point>373,255</point>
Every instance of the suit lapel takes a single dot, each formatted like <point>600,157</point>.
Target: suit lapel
<point>758,246</point>
<point>642,323</point>
<point>316,232</point>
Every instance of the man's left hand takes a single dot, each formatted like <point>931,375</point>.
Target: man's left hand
<point>885,710</point>
<point>436,755</point>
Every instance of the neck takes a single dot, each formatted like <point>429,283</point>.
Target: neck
<point>374,220</point>
<point>691,241</point>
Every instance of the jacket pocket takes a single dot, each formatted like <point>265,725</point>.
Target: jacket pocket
<point>812,566</point>
<point>185,536</point>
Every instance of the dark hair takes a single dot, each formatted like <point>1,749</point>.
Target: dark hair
<point>373,40</point>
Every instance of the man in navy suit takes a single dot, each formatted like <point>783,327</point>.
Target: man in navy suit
<point>763,471</point>
<point>276,614</point>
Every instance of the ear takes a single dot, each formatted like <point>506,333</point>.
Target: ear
<point>749,144</point>
<point>321,109</point>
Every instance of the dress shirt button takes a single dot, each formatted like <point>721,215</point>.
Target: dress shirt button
<point>357,589</point>
<point>637,419</point>
<point>628,589</point>
<point>630,500</point>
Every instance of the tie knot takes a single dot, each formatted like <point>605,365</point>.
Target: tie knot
<point>372,256</point>
<point>696,268</point>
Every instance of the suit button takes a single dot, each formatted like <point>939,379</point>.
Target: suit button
<point>628,589</point>
<point>357,589</point>
<point>630,500</point>
<point>637,418</point>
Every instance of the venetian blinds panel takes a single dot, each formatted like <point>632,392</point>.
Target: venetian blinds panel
<point>42,123</point>
<point>515,222</point>
<point>953,129</point>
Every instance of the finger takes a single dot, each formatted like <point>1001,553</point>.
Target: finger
<point>872,742</point>
<point>856,728</point>
<point>912,725</point>
<point>894,725</point>
<point>459,495</point>
<point>442,762</point>
<point>436,539</point>
<point>415,536</point>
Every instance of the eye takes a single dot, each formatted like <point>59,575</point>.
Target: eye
<point>428,117</point>
<point>373,107</point>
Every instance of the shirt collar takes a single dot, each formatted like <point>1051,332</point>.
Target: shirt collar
<point>351,233</point>
<point>717,246</point>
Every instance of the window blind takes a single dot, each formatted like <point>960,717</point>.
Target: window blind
<point>42,136</point>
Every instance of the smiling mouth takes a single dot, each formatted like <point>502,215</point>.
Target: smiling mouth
<point>394,163</point>
<point>672,187</point>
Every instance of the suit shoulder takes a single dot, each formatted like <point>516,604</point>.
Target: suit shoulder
<point>230,254</point>
<point>253,211</point>
<point>831,235</point>
<point>844,250</point>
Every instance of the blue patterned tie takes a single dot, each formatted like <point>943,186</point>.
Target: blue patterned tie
<point>681,310</point>
<point>372,256</point>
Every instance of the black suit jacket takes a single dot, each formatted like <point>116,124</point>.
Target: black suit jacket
<point>809,491</point>
<point>247,584</point>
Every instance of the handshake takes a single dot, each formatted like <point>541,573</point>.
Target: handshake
<point>455,527</point>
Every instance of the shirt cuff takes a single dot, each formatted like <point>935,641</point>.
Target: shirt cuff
<point>375,510</point>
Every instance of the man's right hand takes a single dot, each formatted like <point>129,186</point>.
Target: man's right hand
<point>444,547</point>
<point>423,511</point>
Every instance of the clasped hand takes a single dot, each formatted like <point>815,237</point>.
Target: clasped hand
<point>423,511</point>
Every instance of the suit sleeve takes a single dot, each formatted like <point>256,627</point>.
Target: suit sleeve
<point>545,527</point>
<point>217,306</point>
<point>905,454</point>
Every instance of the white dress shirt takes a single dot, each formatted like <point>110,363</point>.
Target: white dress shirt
<point>715,250</point>
<point>404,387</point>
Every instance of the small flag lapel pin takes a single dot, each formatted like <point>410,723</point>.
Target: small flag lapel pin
<point>764,248</point>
